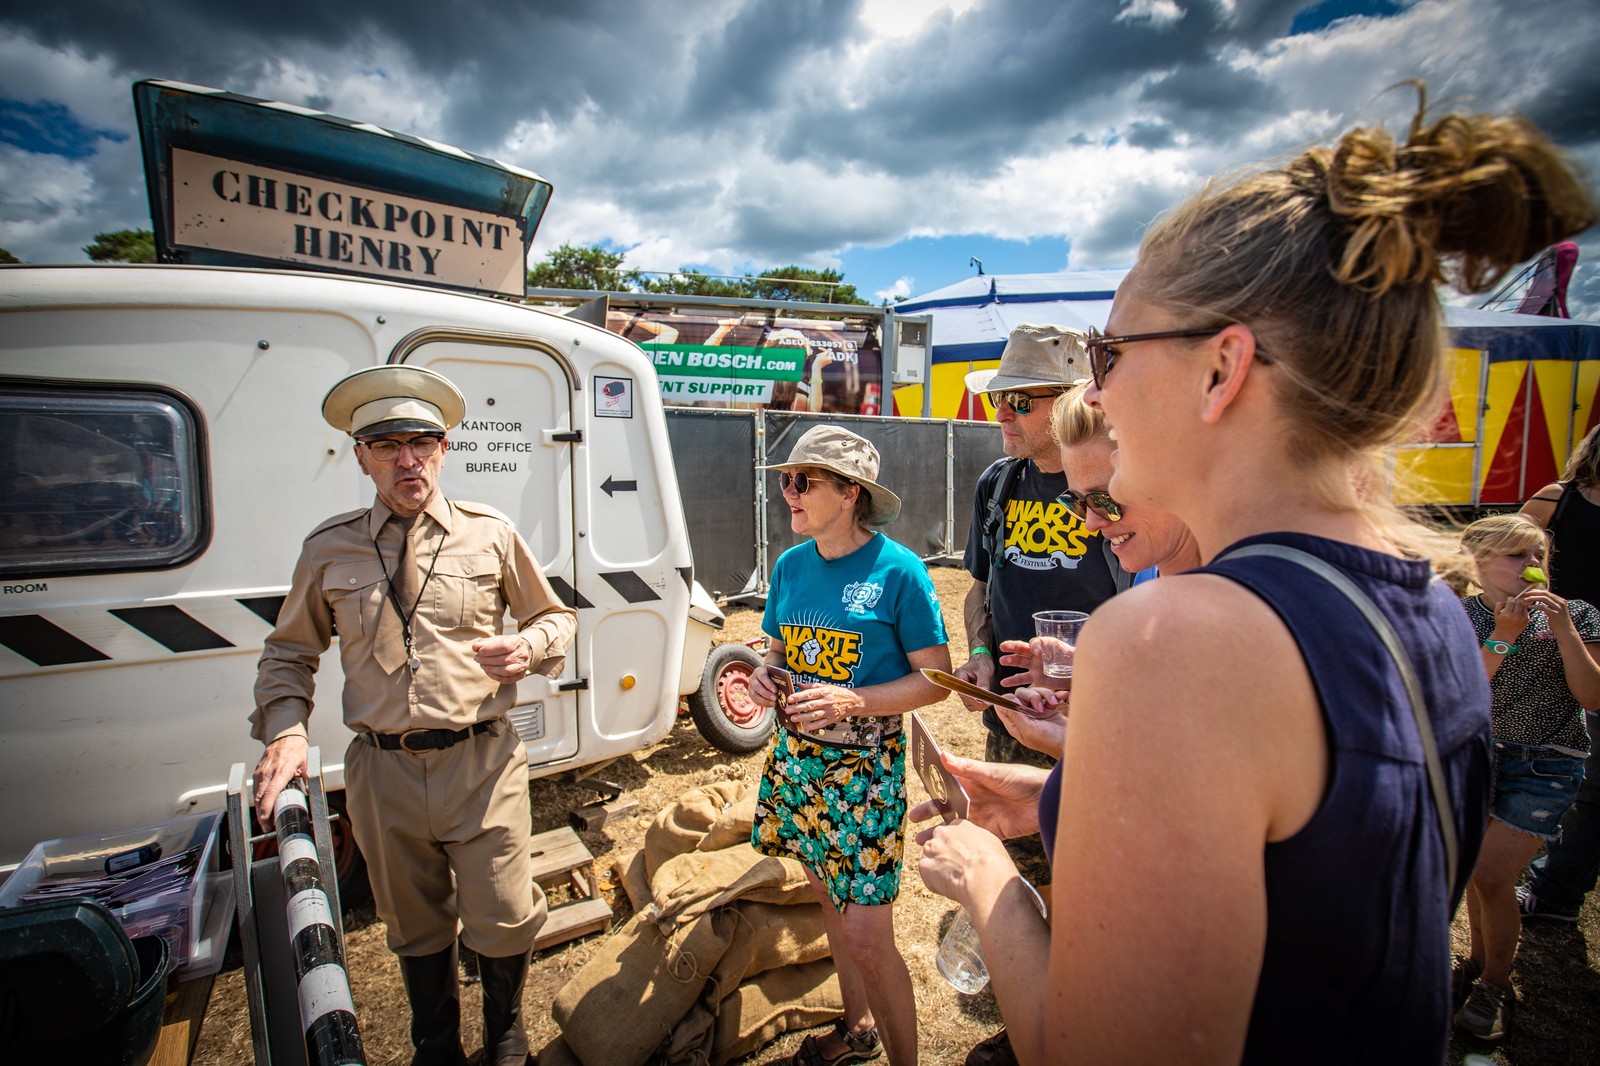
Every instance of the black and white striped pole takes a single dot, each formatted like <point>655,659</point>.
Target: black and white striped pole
<point>326,1008</point>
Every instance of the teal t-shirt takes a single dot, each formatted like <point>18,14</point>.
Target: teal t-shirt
<point>851,621</point>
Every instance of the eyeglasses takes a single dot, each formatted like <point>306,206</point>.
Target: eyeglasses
<point>1101,503</point>
<point>387,451</point>
<point>1103,353</point>
<point>1022,402</point>
<point>802,481</point>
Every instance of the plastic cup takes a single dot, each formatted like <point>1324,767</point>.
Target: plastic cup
<point>1057,633</point>
<point>960,955</point>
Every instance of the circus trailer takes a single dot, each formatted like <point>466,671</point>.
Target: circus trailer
<point>1522,387</point>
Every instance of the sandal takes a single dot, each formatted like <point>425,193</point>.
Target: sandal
<point>861,1048</point>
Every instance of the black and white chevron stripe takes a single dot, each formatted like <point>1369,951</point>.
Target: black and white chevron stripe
<point>326,1008</point>
<point>91,634</point>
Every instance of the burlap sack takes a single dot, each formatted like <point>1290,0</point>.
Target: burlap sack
<point>729,952</point>
<point>755,1014</point>
<point>772,948</point>
<point>684,825</point>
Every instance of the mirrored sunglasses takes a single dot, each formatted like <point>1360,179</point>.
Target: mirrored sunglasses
<point>1022,402</point>
<point>1101,503</point>
<point>387,451</point>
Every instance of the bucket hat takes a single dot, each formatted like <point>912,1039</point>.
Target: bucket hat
<point>1036,357</point>
<point>393,399</point>
<point>850,456</point>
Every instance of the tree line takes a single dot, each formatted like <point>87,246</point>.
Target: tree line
<point>582,267</point>
<point>592,267</point>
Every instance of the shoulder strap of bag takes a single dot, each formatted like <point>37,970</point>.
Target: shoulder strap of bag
<point>994,521</point>
<point>1402,661</point>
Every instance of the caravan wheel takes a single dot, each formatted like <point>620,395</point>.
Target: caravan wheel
<point>722,708</point>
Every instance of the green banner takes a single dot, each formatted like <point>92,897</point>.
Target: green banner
<point>726,361</point>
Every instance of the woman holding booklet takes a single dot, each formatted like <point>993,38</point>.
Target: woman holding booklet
<point>851,617</point>
<point>1276,780</point>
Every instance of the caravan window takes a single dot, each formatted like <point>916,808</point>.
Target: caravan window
<point>97,479</point>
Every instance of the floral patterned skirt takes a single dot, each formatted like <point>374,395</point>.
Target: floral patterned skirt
<point>839,812</point>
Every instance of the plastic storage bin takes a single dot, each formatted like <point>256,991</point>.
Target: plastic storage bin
<point>159,880</point>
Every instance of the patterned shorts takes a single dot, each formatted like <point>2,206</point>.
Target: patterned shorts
<point>839,812</point>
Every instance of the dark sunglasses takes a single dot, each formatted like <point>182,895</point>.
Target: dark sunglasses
<point>1103,350</point>
<point>1101,503</point>
<point>802,481</point>
<point>1022,402</point>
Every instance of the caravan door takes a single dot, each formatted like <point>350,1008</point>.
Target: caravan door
<point>507,453</point>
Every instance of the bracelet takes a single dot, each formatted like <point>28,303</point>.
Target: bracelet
<point>980,650</point>
<point>1499,647</point>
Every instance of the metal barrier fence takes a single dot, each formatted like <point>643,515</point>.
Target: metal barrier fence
<point>738,524</point>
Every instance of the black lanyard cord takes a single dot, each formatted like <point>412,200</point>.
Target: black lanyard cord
<point>394,597</point>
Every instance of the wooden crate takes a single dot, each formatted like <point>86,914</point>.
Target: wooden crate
<point>561,861</point>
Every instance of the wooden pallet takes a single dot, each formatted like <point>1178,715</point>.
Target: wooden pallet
<point>561,861</point>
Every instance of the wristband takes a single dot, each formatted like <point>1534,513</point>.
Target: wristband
<point>1499,647</point>
<point>981,650</point>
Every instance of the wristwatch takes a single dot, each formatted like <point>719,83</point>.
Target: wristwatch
<point>1499,647</point>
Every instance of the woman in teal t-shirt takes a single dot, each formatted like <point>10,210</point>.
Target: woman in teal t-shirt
<point>851,616</point>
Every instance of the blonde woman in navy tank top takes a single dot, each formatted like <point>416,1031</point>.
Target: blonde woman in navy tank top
<point>1249,865</point>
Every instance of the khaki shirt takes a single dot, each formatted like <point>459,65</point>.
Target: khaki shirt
<point>481,568</point>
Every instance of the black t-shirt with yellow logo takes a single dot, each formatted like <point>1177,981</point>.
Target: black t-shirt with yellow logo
<point>1048,560</point>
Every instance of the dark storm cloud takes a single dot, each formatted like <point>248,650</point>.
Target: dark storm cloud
<point>1003,77</point>
<point>755,60</point>
<point>503,62</point>
<point>1211,100</point>
<point>1255,22</point>
<point>1149,135</point>
<point>1568,107</point>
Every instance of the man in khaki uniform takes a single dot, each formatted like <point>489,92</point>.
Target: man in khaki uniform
<point>436,779</point>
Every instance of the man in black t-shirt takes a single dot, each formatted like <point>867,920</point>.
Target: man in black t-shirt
<point>1045,559</point>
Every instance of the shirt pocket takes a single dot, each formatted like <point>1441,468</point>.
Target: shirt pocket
<point>469,593</point>
<point>355,592</point>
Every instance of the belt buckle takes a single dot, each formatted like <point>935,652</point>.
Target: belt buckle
<point>407,748</point>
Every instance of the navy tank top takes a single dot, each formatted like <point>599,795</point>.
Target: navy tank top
<point>1575,560</point>
<point>1357,961</point>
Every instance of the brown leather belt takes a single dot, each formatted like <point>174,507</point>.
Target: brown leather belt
<point>415,740</point>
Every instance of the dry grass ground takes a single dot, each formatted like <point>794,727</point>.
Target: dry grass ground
<point>1557,973</point>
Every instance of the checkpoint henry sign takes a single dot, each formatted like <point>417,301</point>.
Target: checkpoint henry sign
<point>229,205</point>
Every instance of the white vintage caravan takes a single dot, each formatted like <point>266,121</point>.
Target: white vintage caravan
<point>162,455</point>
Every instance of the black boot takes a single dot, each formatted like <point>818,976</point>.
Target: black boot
<point>505,1041</point>
<point>435,997</point>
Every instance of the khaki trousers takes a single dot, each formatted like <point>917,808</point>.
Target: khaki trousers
<point>446,838</point>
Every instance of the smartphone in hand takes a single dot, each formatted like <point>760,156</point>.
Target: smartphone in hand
<point>942,785</point>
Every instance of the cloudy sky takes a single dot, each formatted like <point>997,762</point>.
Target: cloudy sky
<point>894,139</point>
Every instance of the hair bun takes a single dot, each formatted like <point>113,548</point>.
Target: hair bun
<point>1481,192</point>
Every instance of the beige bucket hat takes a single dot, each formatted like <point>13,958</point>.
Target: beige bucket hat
<point>1036,357</point>
<point>850,456</point>
<point>393,399</point>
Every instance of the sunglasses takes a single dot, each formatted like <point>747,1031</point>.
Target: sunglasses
<point>1103,350</point>
<point>1101,503</point>
<point>802,481</point>
<point>1022,402</point>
